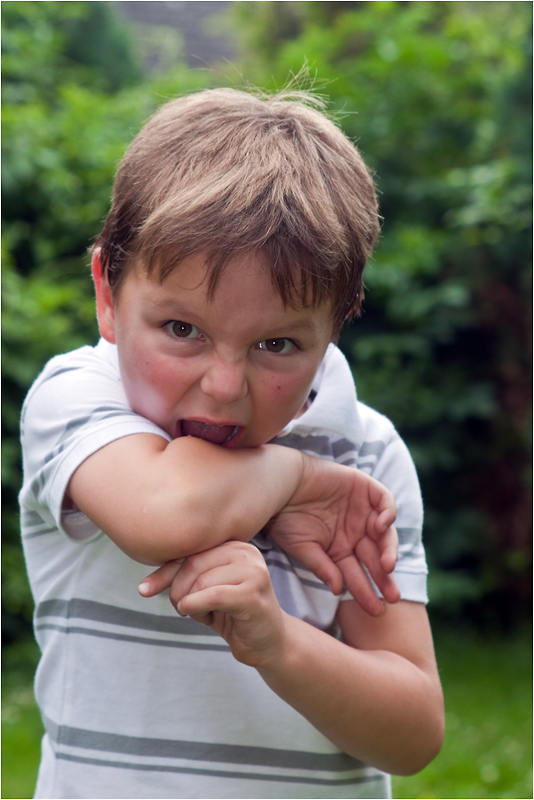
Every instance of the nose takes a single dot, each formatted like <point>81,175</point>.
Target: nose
<point>225,380</point>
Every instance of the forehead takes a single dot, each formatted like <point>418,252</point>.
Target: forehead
<point>244,287</point>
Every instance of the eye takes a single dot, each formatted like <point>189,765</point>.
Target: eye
<point>183,330</point>
<point>277,345</point>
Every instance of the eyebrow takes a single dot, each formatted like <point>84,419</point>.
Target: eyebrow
<point>164,304</point>
<point>300,325</point>
<point>286,329</point>
<point>173,305</point>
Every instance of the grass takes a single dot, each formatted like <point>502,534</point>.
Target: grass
<point>488,745</point>
<point>488,702</point>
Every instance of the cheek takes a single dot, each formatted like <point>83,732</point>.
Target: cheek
<point>153,387</point>
<point>288,393</point>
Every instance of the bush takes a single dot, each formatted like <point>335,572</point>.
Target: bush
<point>438,97</point>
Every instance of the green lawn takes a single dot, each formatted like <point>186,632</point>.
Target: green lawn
<point>488,703</point>
<point>488,746</point>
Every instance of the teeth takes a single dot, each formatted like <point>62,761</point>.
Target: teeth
<point>235,430</point>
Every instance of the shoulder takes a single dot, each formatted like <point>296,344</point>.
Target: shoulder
<point>78,394</point>
<point>74,386</point>
<point>76,406</point>
<point>378,432</point>
<point>72,370</point>
<point>383,452</point>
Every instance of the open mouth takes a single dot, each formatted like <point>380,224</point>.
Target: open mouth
<point>217,434</point>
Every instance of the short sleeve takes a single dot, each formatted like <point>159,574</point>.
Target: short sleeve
<point>75,407</point>
<point>385,457</point>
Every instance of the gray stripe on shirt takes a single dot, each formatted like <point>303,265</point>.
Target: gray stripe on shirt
<point>320,445</point>
<point>375,448</point>
<point>116,615</point>
<point>341,447</point>
<point>37,484</point>
<point>121,637</point>
<point>102,413</point>
<point>42,532</point>
<point>315,584</point>
<point>30,518</point>
<point>411,536</point>
<point>98,762</point>
<point>200,751</point>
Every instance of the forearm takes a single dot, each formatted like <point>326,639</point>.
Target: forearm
<point>161,501</point>
<point>373,704</point>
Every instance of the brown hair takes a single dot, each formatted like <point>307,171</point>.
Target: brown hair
<point>229,172</point>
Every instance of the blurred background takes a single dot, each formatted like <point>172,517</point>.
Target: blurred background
<point>438,97</point>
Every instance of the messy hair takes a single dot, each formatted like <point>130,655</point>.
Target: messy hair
<point>228,172</point>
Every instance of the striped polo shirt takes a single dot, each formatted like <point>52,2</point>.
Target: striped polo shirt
<point>136,701</point>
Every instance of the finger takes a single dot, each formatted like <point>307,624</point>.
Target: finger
<point>231,563</point>
<point>204,619</point>
<point>386,545</point>
<point>369,555</point>
<point>161,579</point>
<point>358,585</point>
<point>385,519</point>
<point>389,548</point>
<point>385,536</point>
<point>384,503</point>
<point>194,579</point>
<point>312,555</point>
<point>228,599</point>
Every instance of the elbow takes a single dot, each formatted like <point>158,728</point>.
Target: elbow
<point>164,533</point>
<point>425,747</point>
<point>179,541</point>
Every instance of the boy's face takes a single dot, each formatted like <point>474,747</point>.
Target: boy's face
<point>234,370</point>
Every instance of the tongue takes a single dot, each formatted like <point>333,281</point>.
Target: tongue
<point>211,433</point>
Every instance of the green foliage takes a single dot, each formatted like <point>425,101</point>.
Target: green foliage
<point>85,40</point>
<point>438,97</point>
<point>72,101</point>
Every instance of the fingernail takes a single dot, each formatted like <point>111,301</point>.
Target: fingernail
<point>179,611</point>
<point>144,588</point>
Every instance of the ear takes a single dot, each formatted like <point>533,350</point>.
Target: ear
<point>105,309</point>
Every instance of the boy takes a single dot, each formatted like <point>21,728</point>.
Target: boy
<point>215,407</point>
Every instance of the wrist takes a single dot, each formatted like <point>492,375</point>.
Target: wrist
<point>285,658</point>
<point>288,471</point>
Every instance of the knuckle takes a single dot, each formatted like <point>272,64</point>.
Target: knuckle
<point>191,563</point>
<point>260,575</point>
<point>201,583</point>
<point>174,596</point>
<point>216,597</point>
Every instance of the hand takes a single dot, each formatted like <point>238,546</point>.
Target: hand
<point>338,519</point>
<point>228,588</point>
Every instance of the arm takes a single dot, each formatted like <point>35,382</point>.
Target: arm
<point>162,501</point>
<point>376,695</point>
